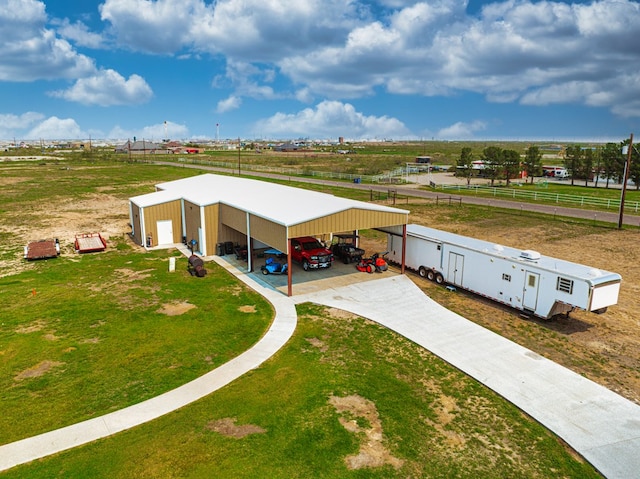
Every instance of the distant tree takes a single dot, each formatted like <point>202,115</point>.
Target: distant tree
<point>465,164</point>
<point>573,161</point>
<point>597,169</point>
<point>493,159</point>
<point>510,164</point>
<point>609,157</point>
<point>634,167</point>
<point>587,165</point>
<point>533,162</point>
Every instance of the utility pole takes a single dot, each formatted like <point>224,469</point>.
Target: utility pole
<point>238,156</point>
<point>625,177</point>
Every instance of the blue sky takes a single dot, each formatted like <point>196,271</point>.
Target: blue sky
<point>320,69</point>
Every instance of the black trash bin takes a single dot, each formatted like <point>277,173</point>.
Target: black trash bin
<point>228,247</point>
<point>220,249</point>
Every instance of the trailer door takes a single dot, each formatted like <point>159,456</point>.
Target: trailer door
<point>530,294</point>
<point>456,268</point>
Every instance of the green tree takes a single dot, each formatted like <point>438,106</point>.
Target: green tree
<point>573,158</point>
<point>510,164</point>
<point>587,165</point>
<point>533,162</point>
<point>465,164</point>
<point>610,156</point>
<point>493,159</point>
<point>634,167</point>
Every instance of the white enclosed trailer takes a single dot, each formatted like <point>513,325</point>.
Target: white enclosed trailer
<point>522,279</point>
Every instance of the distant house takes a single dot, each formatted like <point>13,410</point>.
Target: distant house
<point>287,147</point>
<point>140,147</point>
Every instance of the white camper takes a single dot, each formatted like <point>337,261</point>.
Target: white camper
<point>524,280</point>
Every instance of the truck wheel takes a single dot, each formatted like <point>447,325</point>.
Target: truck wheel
<point>305,265</point>
<point>439,278</point>
<point>422,271</point>
<point>431,275</point>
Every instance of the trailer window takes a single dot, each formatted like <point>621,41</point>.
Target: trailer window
<point>565,285</point>
<point>506,277</point>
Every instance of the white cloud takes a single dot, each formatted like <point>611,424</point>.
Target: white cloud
<point>11,125</point>
<point>156,132</point>
<point>56,128</point>
<point>461,130</point>
<point>106,88</point>
<point>30,51</point>
<point>229,104</point>
<point>331,119</point>
<point>79,33</point>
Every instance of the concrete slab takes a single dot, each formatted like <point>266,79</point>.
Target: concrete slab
<point>601,425</point>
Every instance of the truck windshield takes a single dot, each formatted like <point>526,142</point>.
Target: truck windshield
<point>311,245</point>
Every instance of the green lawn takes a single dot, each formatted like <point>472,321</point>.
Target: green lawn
<point>81,336</point>
<point>434,421</point>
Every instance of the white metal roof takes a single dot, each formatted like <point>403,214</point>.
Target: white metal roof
<point>156,198</point>
<point>283,205</point>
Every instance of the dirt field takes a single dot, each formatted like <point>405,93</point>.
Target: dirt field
<point>604,348</point>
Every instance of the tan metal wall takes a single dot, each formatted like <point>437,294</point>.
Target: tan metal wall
<point>349,220</point>
<point>192,220</point>
<point>212,222</point>
<point>269,233</point>
<point>171,210</point>
<point>234,218</point>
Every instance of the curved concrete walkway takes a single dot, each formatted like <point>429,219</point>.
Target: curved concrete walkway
<point>281,329</point>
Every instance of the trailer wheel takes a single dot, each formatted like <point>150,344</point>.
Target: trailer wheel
<point>422,271</point>
<point>431,275</point>
<point>600,311</point>
<point>439,278</point>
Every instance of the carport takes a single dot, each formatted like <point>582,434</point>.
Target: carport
<point>216,210</point>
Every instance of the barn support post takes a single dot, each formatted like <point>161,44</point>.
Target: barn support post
<point>289,274</point>
<point>249,259</point>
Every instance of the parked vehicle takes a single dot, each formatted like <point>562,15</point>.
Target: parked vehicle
<point>376,263</point>
<point>344,248</point>
<point>271,266</point>
<point>524,280</point>
<point>310,253</point>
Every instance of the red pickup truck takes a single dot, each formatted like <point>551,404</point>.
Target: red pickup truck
<point>310,253</point>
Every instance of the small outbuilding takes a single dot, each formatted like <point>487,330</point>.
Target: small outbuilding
<point>209,211</point>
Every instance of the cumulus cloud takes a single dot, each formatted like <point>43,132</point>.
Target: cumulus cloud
<point>461,130</point>
<point>56,128</point>
<point>106,88</point>
<point>79,34</point>
<point>30,51</point>
<point>331,119</point>
<point>11,124</point>
<point>228,104</point>
<point>154,132</point>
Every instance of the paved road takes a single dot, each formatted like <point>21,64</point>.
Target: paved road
<point>413,191</point>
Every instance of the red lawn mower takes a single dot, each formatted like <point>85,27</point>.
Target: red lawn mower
<point>377,263</point>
